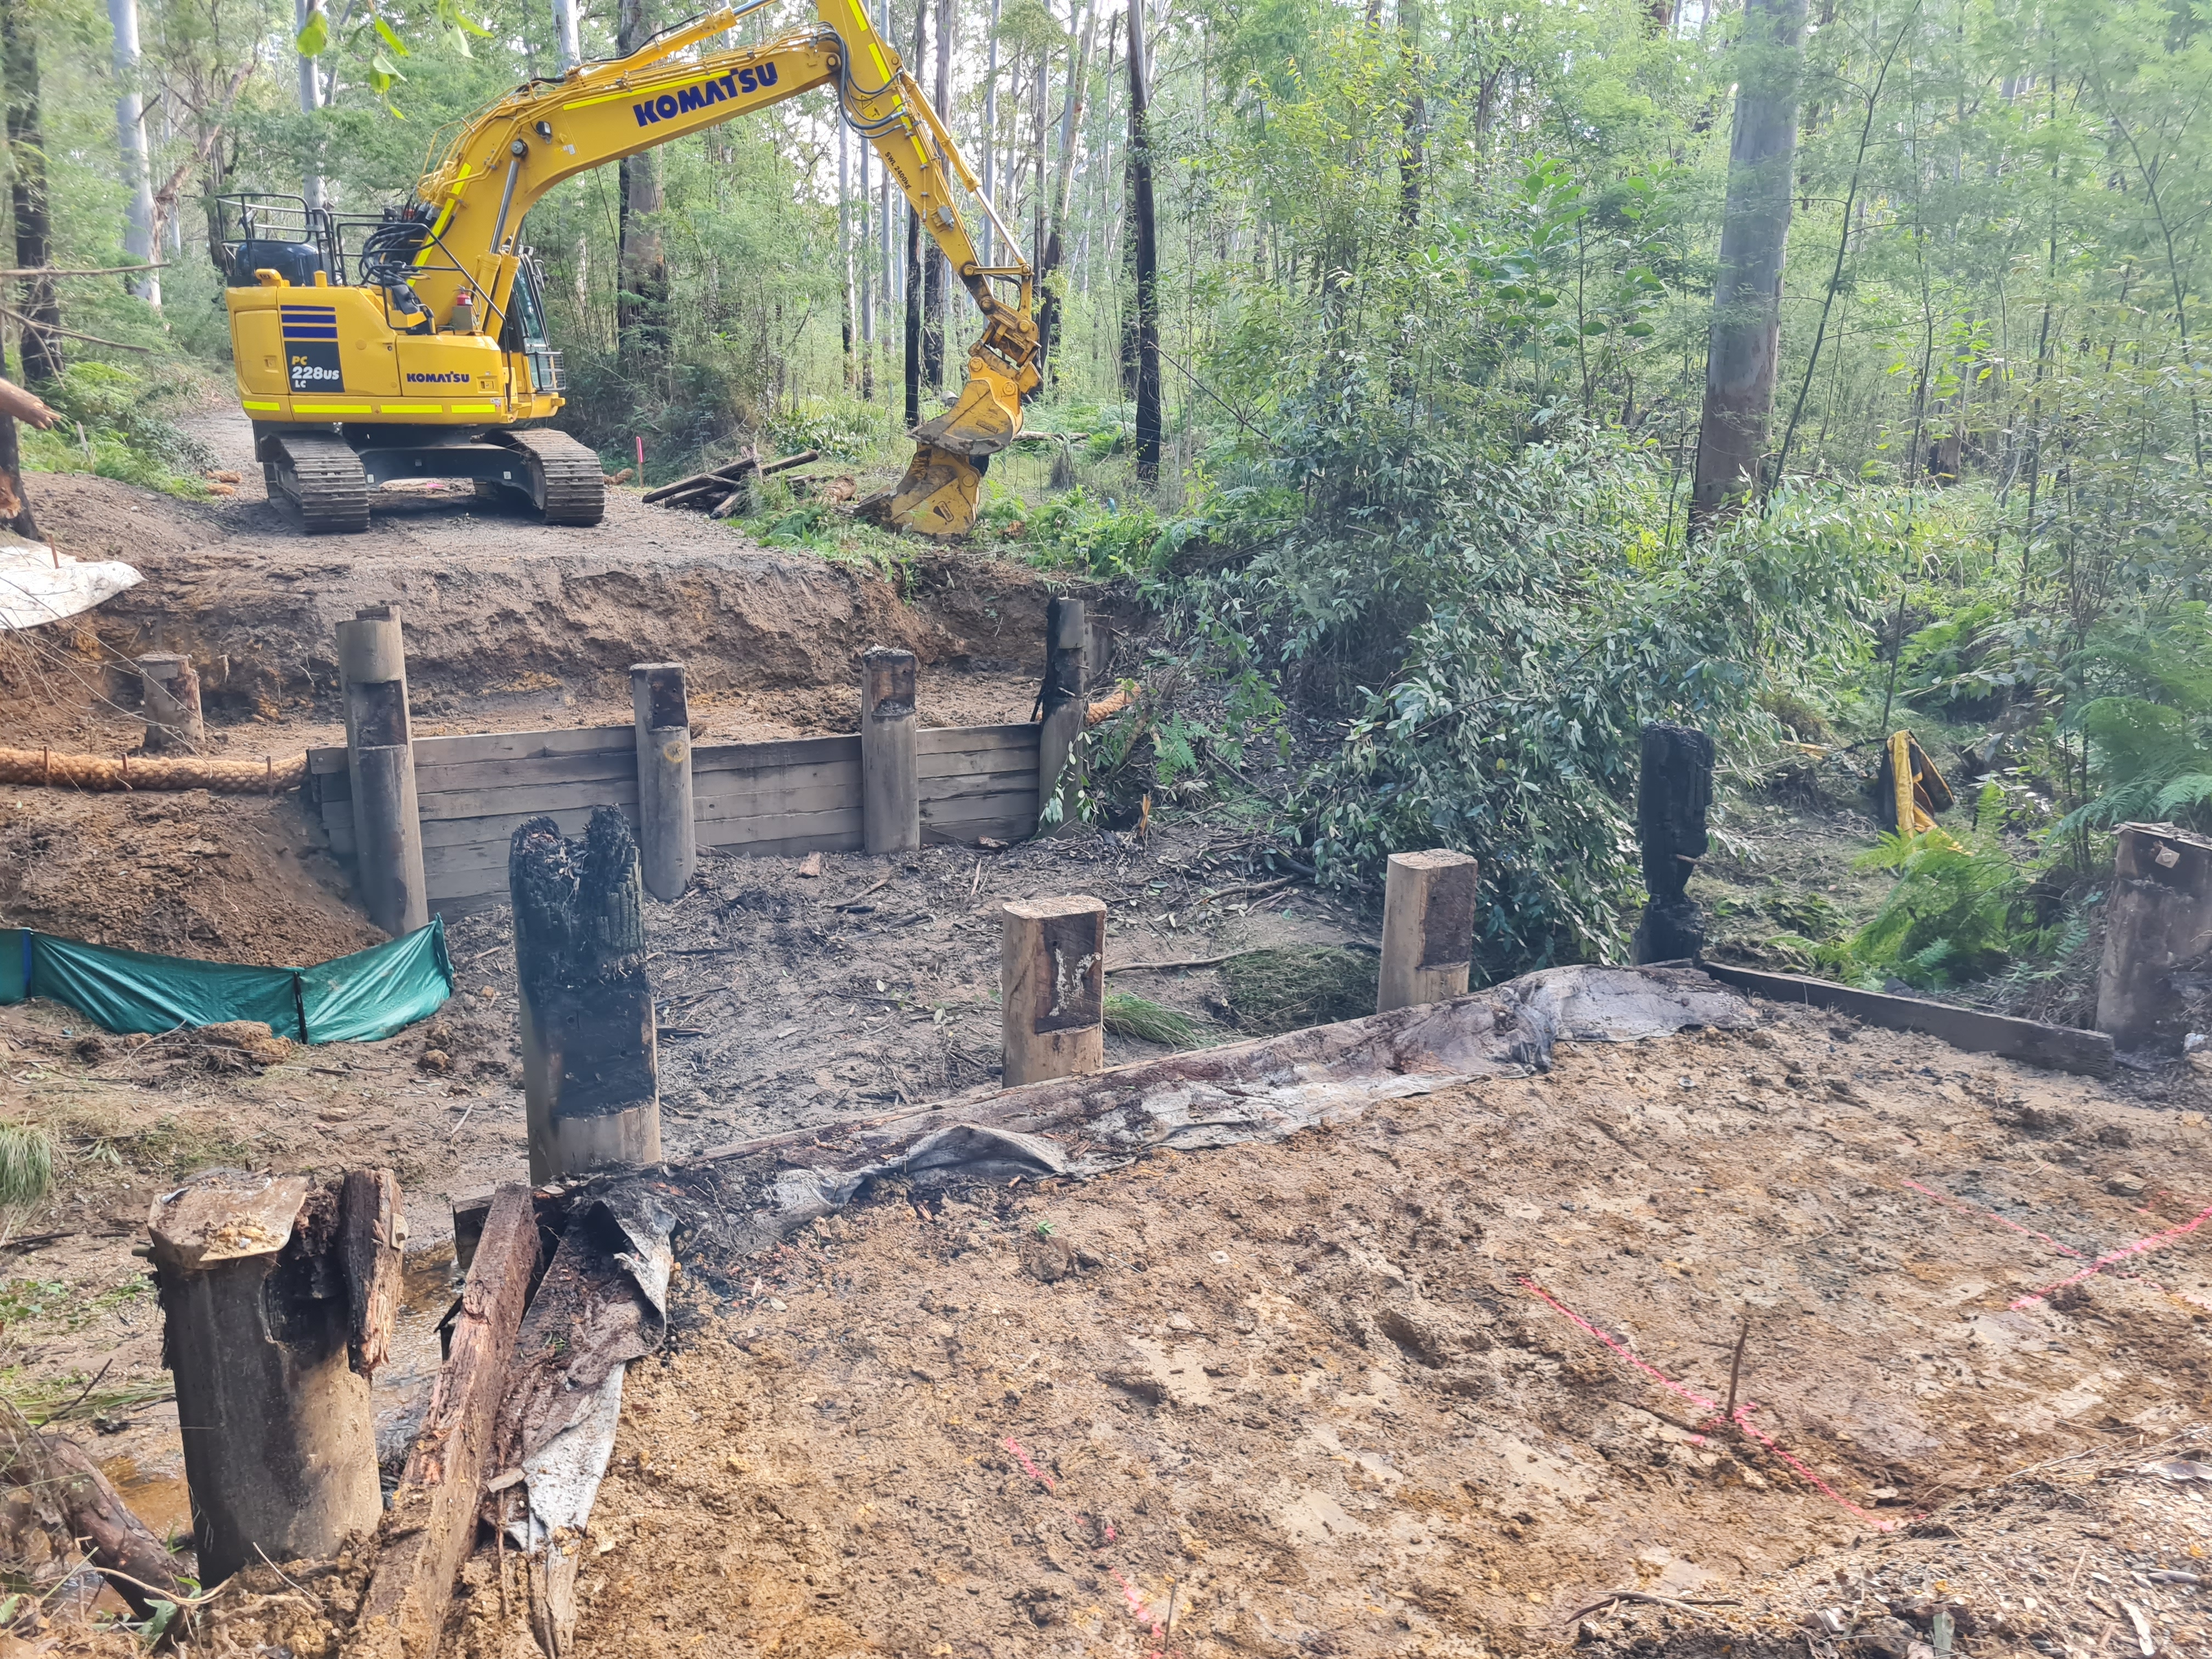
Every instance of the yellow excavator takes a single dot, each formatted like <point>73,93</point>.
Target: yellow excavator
<point>413,345</point>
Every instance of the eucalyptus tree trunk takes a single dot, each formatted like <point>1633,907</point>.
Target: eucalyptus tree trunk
<point>934,268</point>
<point>131,138</point>
<point>314,187</point>
<point>1747,327</point>
<point>565,40</point>
<point>989,232</point>
<point>641,273</point>
<point>1145,251</point>
<point>26,150</point>
<point>913,281</point>
<point>1054,252</point>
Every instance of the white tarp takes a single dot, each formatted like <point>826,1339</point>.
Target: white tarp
<point>38,585</point>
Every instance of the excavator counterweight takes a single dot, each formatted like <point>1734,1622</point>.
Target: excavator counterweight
<point>413,345</point>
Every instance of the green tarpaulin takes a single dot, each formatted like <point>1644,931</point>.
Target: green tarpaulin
<point>356,999</point>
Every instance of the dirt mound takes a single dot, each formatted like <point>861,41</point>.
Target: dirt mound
<point>1435,1381</point>
<point>223,878</point>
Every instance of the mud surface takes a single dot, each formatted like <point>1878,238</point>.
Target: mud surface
<point>1435,1381</point>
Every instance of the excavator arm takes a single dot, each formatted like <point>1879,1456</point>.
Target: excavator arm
<point>473,203</point>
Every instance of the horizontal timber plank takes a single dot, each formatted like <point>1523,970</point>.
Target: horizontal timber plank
<point>932,741</point>
<point>321,762</point>
<point>526,799</point>
<point>978,783</point>
<point>523,745</point>
<point>487,855</point>
<point>750,834</point>
<point>1006,803</point>
<point>334,786</point>
<point>711,802</point>
<point>967,835</point>
<point>2064,1047</point>
<point>550,768</point>
<point>792,846</point>
<point>707,757</point>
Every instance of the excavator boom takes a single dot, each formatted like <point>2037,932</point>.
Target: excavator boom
<point>444,333</point>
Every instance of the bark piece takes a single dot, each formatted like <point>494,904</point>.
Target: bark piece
<point>431,1523</point>
<point>371,1231</point>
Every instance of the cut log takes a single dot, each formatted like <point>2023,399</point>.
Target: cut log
<point>2158,926</point>
<point>254,1329</point>
<point>699,480</point>
<point>799,459</point>
<point>431,1523</point>
<point>590,1066</point>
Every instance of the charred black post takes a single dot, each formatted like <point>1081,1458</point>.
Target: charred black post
<point>590,1066</point>
<point>1671,795</point>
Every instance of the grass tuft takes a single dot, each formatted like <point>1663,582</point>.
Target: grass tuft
<point>1137,1016</point>
<point>27,1165</point>
<point>1285,990</point>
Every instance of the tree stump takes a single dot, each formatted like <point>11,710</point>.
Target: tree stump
<point>2158,919</point>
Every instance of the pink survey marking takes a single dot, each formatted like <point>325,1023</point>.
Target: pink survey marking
<point>2138,1248</point>
<point>1028,1468</point>
<point>1741,1417</point>
<point>2002,1221</point>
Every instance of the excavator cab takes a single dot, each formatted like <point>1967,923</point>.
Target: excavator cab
<point>413,369</point>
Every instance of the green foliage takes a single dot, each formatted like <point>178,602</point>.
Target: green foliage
<point>1287,989</point>
<point>125,435</point>
<point>1130,1015</point>
<point>1103,538</point>
<point>1957,913</point>
<point>2145,708</point>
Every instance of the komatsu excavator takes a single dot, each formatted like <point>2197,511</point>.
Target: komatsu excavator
<point>414,345</point>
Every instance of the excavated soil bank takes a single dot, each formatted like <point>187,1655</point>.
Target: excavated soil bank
<point>1435,1380</point>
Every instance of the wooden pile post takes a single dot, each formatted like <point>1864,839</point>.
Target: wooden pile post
<point>890,789</point>
<point>432,1524</point>
<point>277,1298</point>
<point>380,767</point>
<point>172,693</point>
<point>1063,704</point>
<point>1052,984</point>
<point>1673,791</point>
<point>1428,928</point>
<point>722,490</point>
<point>590,1060</point>
<point>2158,918</point>
<point>668,844</point>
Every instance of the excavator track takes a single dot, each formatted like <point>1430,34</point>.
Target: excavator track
<point>321,476</point>
<point>572,488</point>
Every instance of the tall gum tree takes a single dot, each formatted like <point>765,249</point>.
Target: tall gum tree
<point>1742,352</point>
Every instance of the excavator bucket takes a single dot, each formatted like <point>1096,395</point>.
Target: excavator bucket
<point>944,483</point>
<point>983,421</point>
<point>937,497</point>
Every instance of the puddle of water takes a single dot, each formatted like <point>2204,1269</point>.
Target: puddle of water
<point>157,1496</point>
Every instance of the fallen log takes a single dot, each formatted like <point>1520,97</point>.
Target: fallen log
<point>431,1523</point>
<point>47,768</point>
<point>690,492</point>
<point>51,1473</point>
